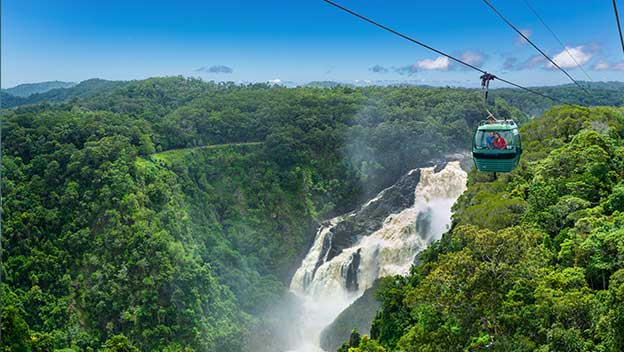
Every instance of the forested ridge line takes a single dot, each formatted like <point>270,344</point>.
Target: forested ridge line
<point>600,93</point>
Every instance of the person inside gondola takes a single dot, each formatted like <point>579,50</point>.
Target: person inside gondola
<point>489,140</point>
<point>499,142</point>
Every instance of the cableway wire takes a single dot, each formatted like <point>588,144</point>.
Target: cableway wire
<point>556,37</point>
<point>617,18</point>
<point>533,44</point>
<point>439,51</point>
<point>1,155</point>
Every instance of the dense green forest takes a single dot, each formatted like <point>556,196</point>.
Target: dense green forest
<point>535,259</point>
<point>167,214</point>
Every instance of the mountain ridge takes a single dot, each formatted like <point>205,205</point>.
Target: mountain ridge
<point>26,89</point>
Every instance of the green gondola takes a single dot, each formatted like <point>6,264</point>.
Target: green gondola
<point>501,157</point>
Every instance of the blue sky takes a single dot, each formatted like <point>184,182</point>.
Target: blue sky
<point>301,40</point>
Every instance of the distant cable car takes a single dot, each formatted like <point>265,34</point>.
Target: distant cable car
<point>490,153</point>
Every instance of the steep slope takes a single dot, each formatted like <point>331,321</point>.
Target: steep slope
<point>8,101</point>
<point>241,219</point>
<point>358,316</point>
<point>535,260</point>
<point>97,243</point>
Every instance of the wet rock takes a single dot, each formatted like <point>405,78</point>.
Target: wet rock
<point>370,217</point>
<point>358,315</point>
<point>423,222</point>
<point>440,166</point>
<point>350,269</point>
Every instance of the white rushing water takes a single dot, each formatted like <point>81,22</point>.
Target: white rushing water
<point>390,250</point>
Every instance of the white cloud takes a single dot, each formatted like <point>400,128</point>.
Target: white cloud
<point>605,66</point>
<point>473,57</point>
<point>601,66</point>
<point>533,61</point>
<point>527,33</point>
<point>439,64</point>
<point>564,60</point>
<point>275,81</point>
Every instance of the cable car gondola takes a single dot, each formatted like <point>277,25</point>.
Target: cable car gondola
<point>489,156</point>
<point>496,144</point>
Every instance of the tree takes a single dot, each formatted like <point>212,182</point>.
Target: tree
<point>367,345</point>
<point>119,343</point>
<point>15,333</point>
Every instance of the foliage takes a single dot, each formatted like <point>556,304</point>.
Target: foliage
<point>119,343</point>
<point>168,214</point>
<point>534,259</point>
<point>172,211</point>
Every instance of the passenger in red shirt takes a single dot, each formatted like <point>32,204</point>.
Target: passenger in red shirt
<point>499,142</point>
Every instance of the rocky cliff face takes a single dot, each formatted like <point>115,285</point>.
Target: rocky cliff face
<point>367,219</point>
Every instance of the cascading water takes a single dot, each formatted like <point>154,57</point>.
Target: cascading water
<point>381,238</point>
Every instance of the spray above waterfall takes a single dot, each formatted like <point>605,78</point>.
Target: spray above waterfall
<point>381,238</point>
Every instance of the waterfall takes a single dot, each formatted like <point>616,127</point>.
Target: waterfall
<point>379,239</point>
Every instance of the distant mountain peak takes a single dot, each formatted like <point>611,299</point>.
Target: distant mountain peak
<point>28,89</point>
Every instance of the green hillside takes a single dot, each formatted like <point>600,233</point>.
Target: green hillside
<point>535,259</point>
